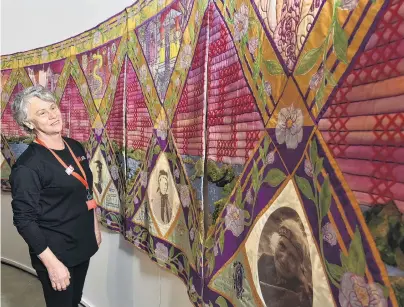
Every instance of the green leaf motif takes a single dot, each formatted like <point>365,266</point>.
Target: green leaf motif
<point>221,302</point>
<point>275,177</point>
<point>262,153</point>
<point>320,95</point>
<point>356,255</point>
<point>305,187</point>
<point>266,145</point>
<point>255,177</point>
<point>246,215</point>
<point>318,166</point>
<point>171,251</point>
<point>336,271</point>
<point>344,261</point>
<point>156,150</point>
<point>137,229</point>
<point>209,243</point>
<point>221,241</point>
<point>274,68</point>
<point>330,78</point>
<point>340,43</point>
<point>325,197</point>
<point>308,61</point>
<point>174,269</point>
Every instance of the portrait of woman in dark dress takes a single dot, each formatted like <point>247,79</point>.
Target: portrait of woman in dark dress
<point>284,265</point>
<point>52,203</point>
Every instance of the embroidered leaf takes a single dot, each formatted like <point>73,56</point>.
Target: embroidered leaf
<point>320,95</point>
<point>239,198</point>
<point>174,269</point>
<point>309,60</point>
<point>211,262</point>
<point>156,150</point>
<point>356,255</point>
<point>273,67</point>
<point>171,251</point>
<point>325,197</point>
<point>400,258</point>
<point>386,291</point>
<point>318,166</point>
<point>305,187</point>
<point>262,153</point>
<point>266,145</point>
<point>221,241</point>
<point>209,243</point>
<point>221,302</point>
<point>313,151</point>
<point>255,177</point>
<point>340,43</point>
<point>330,78</point>
<point>246,215</point>
<point>344,261</point>
<point>137,229</point>
<point>275,177</point>
<point>336,271</point>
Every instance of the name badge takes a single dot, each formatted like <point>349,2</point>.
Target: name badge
<point>69,170</point>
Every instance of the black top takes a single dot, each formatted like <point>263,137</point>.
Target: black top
<point>49,205</point>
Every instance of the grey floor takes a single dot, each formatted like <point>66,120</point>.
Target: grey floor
<point>20,289</point>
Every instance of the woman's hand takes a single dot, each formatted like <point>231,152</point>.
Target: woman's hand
<point>59,274</point>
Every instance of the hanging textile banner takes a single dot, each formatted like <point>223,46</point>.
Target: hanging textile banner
<point>252,148</point>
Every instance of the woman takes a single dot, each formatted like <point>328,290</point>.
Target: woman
<point>285,268</point>
<point>51,189</point>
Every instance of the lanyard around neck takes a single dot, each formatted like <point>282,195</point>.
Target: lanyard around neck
<point>82,179</point>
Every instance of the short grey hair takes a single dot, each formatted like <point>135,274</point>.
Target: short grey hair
<point>21,101</point>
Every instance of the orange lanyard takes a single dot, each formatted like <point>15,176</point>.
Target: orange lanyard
<point>76,175</point>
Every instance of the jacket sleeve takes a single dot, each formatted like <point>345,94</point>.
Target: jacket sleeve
<point>26,190</point>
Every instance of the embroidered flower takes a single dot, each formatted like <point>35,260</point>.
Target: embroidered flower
<point>349,5</point>
<point>268,88</point>
<point>98,131</point>
<point>109,158</point>
<point>253,45</point>
<point>143,178</point>
<point>215,250</point>
<point>192,290</point>
<point>143,73</point>
<point>289,128</point>
<point>186,57</point>
<point>184,195</point>
<point>177,82</point>
<point>162,129</point>
<point>136,200</point>
<point>192,234</point>
<point>148,88</point>
<point>109,222</point>
<point>180,267</point>
<point>270,158</point>
<point>249,197</point>
<point>241,22</point>
<point>329,234</point>
<point>114,172</point>
<point>44,55</point>
<point>97,38</point>
<point>308,168</point>
<point>161,252</point>
<point>177,173</point>
<point>316,79</point>
<point>355,292</point>
<point>137,242</point>
<point>234,220</point>
<point>84,61</point>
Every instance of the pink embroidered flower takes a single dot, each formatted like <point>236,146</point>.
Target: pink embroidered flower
<point>241,22</point>
<point>161,252</point>
<point>349,5</point>
<point>316,79</point>
<point>234,220</point>
<point>355,292</point>
<point>253,45</point>
<point>289,128</point>
<point>329,234</point>
<point>308,168</point>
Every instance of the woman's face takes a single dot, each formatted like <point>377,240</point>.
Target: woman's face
<point>287,260</point>
<point>44,116</point>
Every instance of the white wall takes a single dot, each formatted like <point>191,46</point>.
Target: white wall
<point>119,274</point>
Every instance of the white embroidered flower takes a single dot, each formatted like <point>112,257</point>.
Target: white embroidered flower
<point>180,267</point>
<point>97,38</point>
<point>114,172</point>
<point>241,22</point>
<point>289,128</point>
<point>143,73</point>
<point>44,55</point>
<point>192,234</point>
<point>184,195</point>
<point>177,82</point>
<point>136,200</point>
<point>84,61</point>
<point>186,57</point>
<point>253,45</point>
<point>161,252</point>
<point>234,220</point>
<point>162,129</point>
<point>137,242</point>
<point>177,173</point>
<point>349,5</point>
<point>249,198</point>
<point>329,234</point>
<point>270,158</point>
<point>308,168</point>
<point>143,178</point>
<point>268,88</point>
<point>98,132</point>
<point>109,222</point>
<point>215,250</point>
<point>129,234</point>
